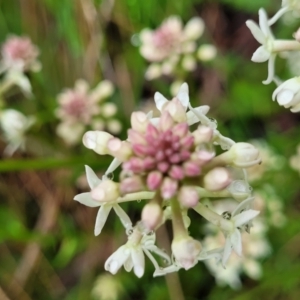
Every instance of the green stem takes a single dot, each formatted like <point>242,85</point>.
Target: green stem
<point>179,229</point>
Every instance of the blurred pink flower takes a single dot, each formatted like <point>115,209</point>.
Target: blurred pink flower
<point>18,53</point>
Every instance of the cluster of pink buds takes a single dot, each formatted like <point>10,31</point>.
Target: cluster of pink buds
<point>174,167</point>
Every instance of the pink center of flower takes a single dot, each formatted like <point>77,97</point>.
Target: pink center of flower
<point>164,38</point>
<point>76,105</point>
<point>19,49</point>
<point>163,158</point>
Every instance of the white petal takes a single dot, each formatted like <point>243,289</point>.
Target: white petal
<point>122,215</point>
<point>154,121</point>
<point>227,251</point>
<point>256,31</point>
<point>113,166</point>
<point>117,259</point>
<point>284,97</point>
<point>160,100</point>
<point>244,217</point>
<point>101,218</point>
<point>138,260</point>
<point>128,265</point>
<point>236,242</point>
<point>91,177</point>
<point>243,205</point>
<point>263,23</point>
<point>86,199</point>
<point>183,95</point>
<point>295,108</point>
<point>192,118</point>
<point>261,55</point>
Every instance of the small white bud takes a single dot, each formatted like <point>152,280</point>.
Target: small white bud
<point>217,179</point>
<point>106,191</point>
<point>97,141</point>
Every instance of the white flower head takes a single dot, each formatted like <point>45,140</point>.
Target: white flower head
<point>183,97</point>
<point>239,220</point>
<point>288,94</point>
<point>105,207</point>
<point>264,36</point>
<point>14,126</point>
<point>131,255</point>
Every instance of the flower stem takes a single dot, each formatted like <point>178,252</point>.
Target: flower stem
<point>286,45</point>
<point>172,279</point>
<point>179,229</point>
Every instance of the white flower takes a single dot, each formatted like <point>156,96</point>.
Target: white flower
<point>183,97</point>
<point>288,94</point>
<point>131,255</point>
<point>239,218</point>
<point>264,36</point>
<point>14,126</point>
<point>105,207</point>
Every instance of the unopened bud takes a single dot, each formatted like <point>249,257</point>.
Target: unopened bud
<point>239,189</point>
<point>131,185</point>
<point>217,179</point>
<point>106,191</point>
<point>176,110</point>
<point>152,215</point>
<point>168,188</point>
<point>203,134</point>
<point>188,196</point>
<point>154,180</point>
<point>243,155</point>
<point>120,149</point>
<point>139,121</point>
<point>97,141</point>
<point>166,122</point>
<point>186,251</point>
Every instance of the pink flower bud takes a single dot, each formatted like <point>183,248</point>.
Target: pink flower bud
<point>187,142</point>
<point>203,156</point>
<point>139,121</point>
<point>151,133</point>
<point>217,179</point>
<point>152,215</point>
<point>188,196</point>
<point>166,122</point>
<point>106,191</point>
<point>163,166</point>
<point>203,134</point>
<point>181,129</point>
<point>191,169</point>
<point>176,110</point>
<point>135,137</point>
<point>169,188</point>
<point>154,180</point>
<point>176,172</point>
<point>140,150</point>
<point>119,149</point>
<point>131,185</point>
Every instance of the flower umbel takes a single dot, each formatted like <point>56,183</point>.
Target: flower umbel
<point>175,167</point>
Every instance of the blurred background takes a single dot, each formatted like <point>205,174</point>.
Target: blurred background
<point>47,246</point>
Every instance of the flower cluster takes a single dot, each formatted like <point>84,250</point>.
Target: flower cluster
<point>287,93</point>
<point>14,125</point>
<point>19,55</point>
<point>171,46</point>
<point>174,168</point>
<point>81,107</point>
